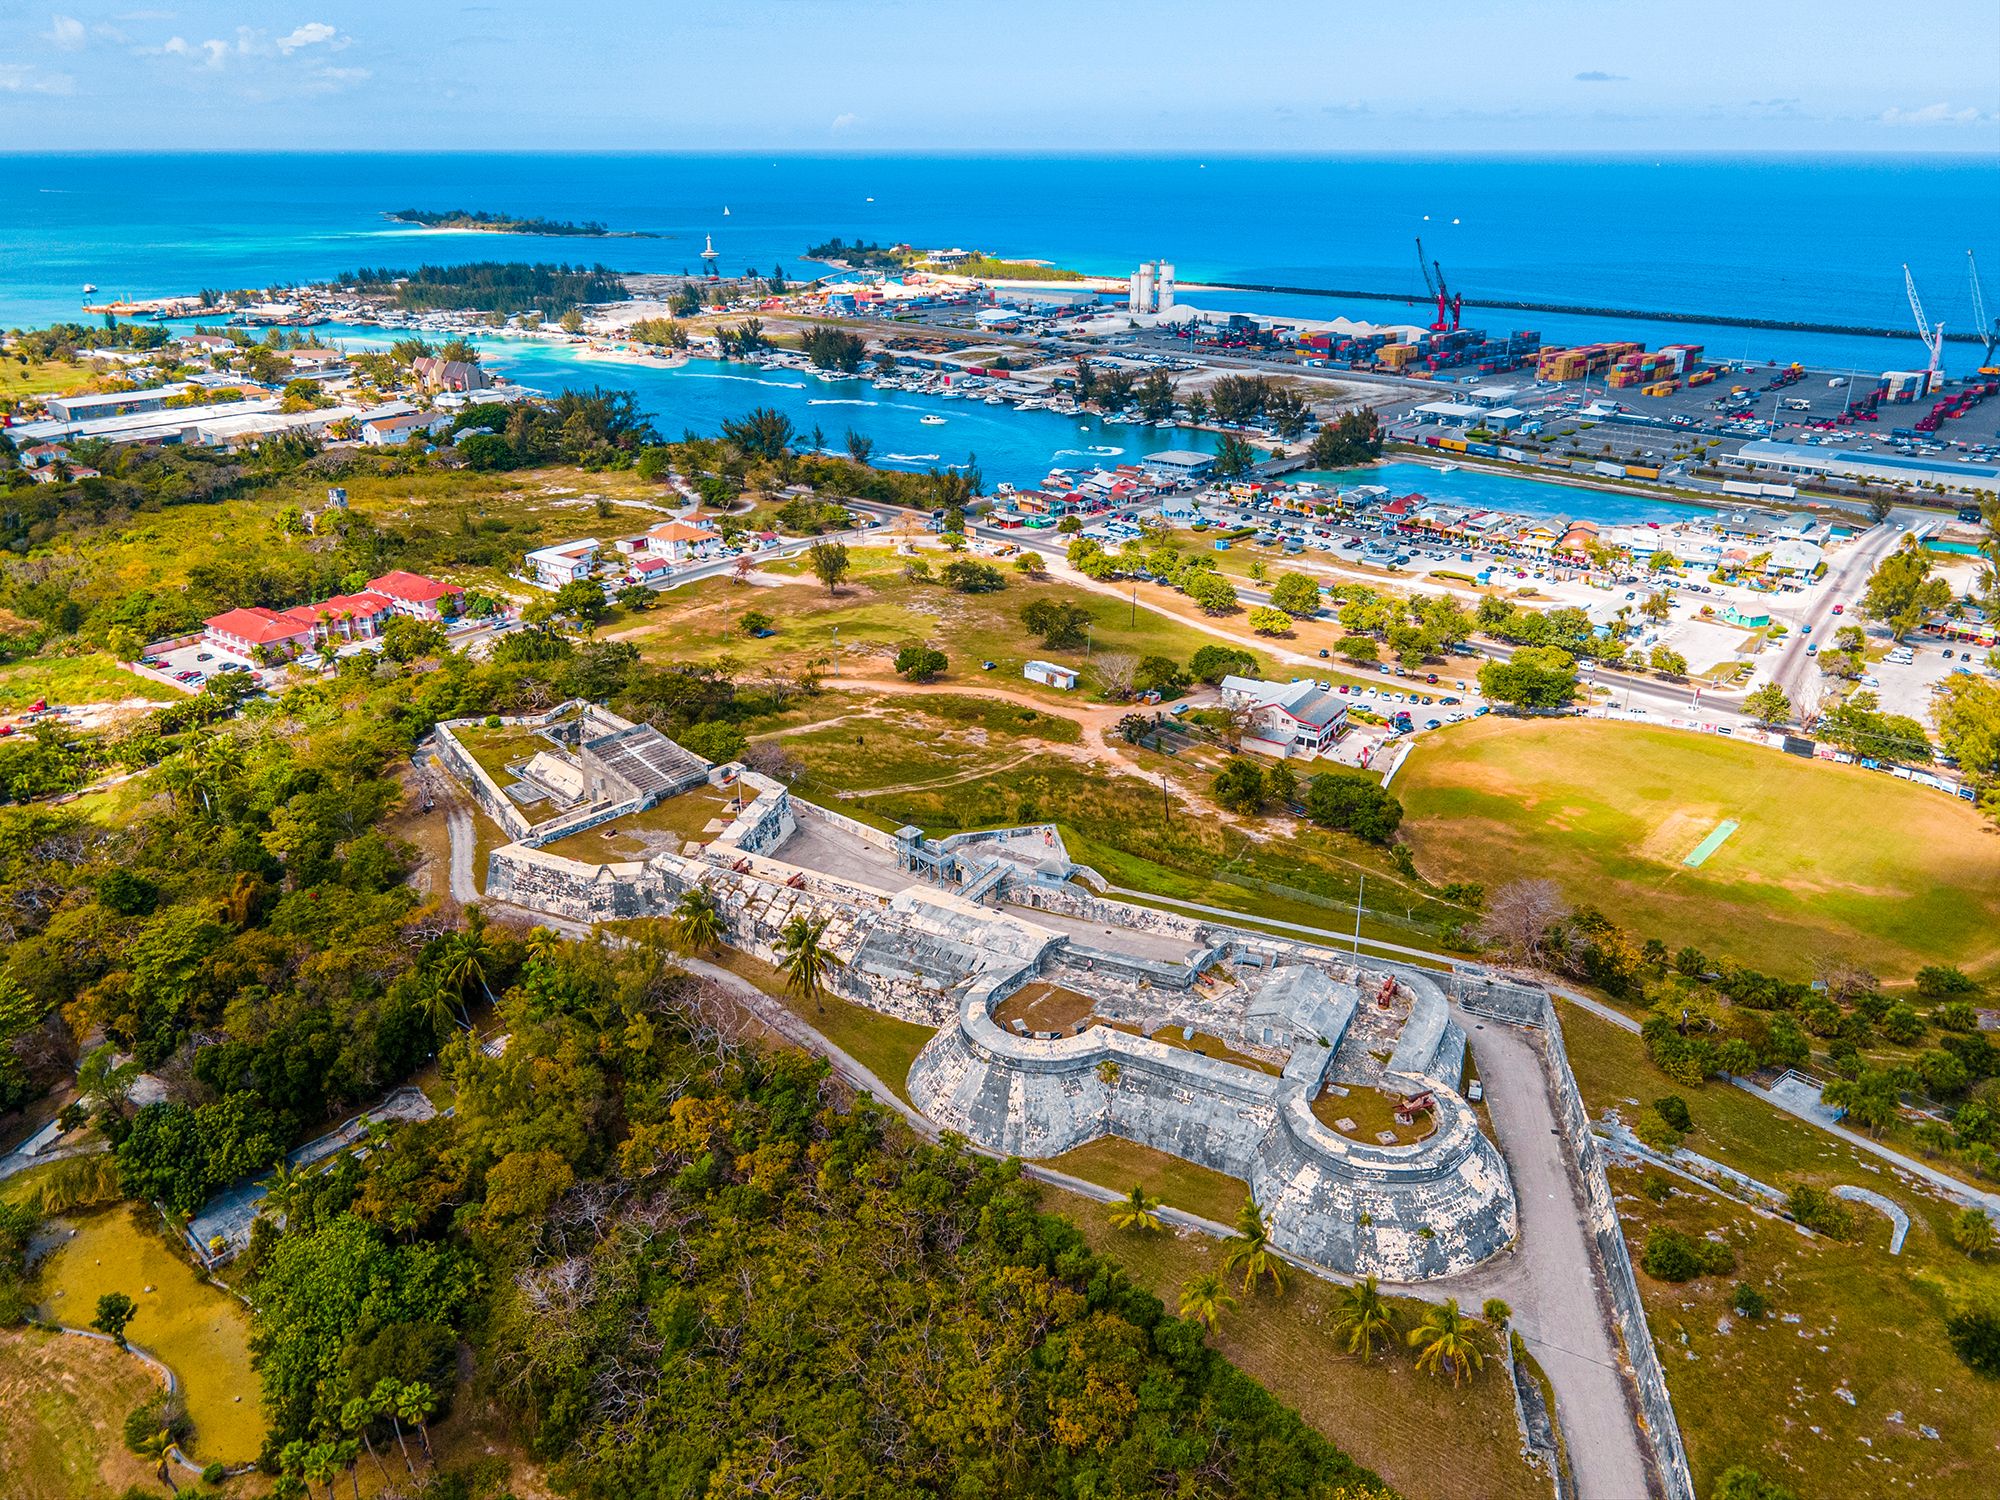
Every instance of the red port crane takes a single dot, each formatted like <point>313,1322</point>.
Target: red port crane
<point>1448,303</point>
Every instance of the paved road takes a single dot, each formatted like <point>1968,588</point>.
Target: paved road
<point>1551,1278</point>
<point>1844,584</point>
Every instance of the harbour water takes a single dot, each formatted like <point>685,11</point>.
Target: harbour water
<point>1809,239</point>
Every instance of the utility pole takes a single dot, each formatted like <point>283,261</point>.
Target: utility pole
<point>1166,804</point>
<point>1360,891</point>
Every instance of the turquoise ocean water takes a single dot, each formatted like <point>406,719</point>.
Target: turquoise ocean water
<point>1806,239</point>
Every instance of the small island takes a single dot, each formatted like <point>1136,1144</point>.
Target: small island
<point>484,222</point>
<point>864,256</point>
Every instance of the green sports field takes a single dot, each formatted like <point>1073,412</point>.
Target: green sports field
<point>1824,858</point>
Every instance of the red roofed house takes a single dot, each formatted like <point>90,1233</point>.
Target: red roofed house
<point>247,631</point>
<point>414,594</point>
<point>352,617</point>
<point>677,541</point>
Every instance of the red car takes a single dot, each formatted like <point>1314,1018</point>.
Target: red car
<point>1840,609</point>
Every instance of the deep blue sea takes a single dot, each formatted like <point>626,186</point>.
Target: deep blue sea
<point>1808,239</point>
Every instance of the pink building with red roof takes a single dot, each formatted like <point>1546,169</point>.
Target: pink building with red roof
<point>344,617</point>
<point>414,594</point>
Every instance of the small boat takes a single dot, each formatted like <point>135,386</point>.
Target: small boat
<point>725,210</point>
<point>89,287</point>
<point>932,420</point>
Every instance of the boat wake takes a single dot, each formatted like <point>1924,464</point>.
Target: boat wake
<point>1086,452</point>
<point>910,458</point>
<point>780,385</point>
<point>839,401</point>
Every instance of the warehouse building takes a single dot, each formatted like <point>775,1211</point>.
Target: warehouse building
<point>1870,468</point>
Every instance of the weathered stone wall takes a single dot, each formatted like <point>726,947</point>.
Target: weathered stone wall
<point>1662,1430</point>
<point>455,758</point>
<point>582,819</point>
<point>519,875</point>
<point>766,822</point>
<point>1407,1213</point>
<point>1068,901</point>
<point>852,827</point>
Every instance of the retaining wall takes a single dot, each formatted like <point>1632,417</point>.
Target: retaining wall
<point>1408,1213</point>
<point>1656,1406</point>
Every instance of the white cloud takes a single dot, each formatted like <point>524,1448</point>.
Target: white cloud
<point>17,78</point>
<point>312,34</point>
<point>66,32</point>
<point>845,121</point>
<point>212,53</point>
<point>1931,114</point>
<point>1595,76</point>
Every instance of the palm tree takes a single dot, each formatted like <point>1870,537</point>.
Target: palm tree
<point>347,1453</point>
<point>804,962</point>
<point>543,944</point>
<point>1249,1250</point>
<point>415,1403</point>
<point>282,1189</point>
<point>385,1398</point>
<point>1444,1342</point>
<point>1496,1312</point>
<point>462,962</point>
<point>321,1464</point>
<point>1204,1300</point>
<point>1136,1211</point>
<point>697,923</point>
<point>1972,1231</point>
<point>357,1416</point>
<point>1364,1317</point>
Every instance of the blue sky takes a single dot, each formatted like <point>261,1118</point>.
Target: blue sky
<point>1082,75</point>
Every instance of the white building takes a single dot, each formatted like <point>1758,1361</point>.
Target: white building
<point>1287,718</point>
<point>552,567</point>
<point>1141,291</point>
<point>1050,674</point>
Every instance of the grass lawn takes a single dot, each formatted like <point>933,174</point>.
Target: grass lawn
<point>878,611</point>
<point>1382,1413</point>
<point>884,1045</point>
<point>493,749</point>
<point>65,680</point>
<point>665,825</point>
<point>1763,1392</point>
<point>862,743</point>
<point>201,1333</point>
<point>1371,1110</point>
<point>66,1400</point>
<point>1825,857</point>
<point>1113,1162</point>
<point>39,377</point>
<point>1752,1395</point>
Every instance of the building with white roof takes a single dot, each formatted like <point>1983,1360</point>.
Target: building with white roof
<point>1297,718</point>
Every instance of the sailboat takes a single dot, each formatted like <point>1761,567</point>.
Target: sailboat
<point>725,210</point>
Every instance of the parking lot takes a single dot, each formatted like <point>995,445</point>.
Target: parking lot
<point>193,665</point>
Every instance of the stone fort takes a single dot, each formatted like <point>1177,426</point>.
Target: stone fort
<point>1330,1085</point>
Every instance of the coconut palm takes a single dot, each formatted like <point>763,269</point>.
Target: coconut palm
<point>1249,1250</point>
<point>281,1189</point>
<point>347,1453</point>
<point>1364,1317</point>
<point>1444,1342</point>
<point>697,923</point>
<point>356,1417</point>
<point>1136,1211</point>
<point>1972,1231</point>
<point>1204,1300</point>
<point>804,961</point>
<point>385,1398</point>
<point>321,1464</point>
<point>543,944</point>
<point>414,1403</point>
<point>463,961</point>
<point>1496,1312</point>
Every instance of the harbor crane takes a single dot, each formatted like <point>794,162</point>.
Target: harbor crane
<point>1448,304</point>
<point>1988,329</point>
<point>1933,337</point>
